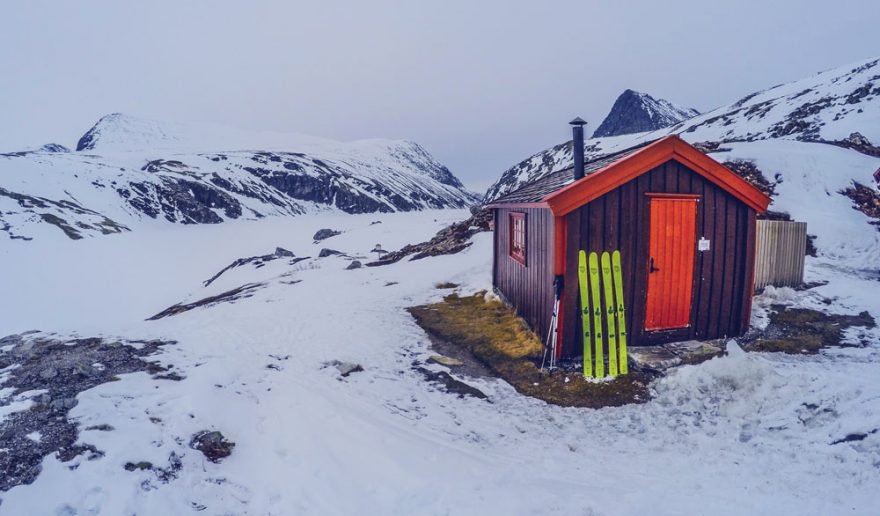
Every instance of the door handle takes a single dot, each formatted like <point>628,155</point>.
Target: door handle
<point>652,268</point>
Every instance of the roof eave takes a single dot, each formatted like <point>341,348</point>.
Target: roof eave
<point>573,196</point>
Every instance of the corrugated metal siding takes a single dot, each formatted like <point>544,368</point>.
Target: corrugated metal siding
<point>528,288</point>
<point>780,253</point>
<point>620,220</point>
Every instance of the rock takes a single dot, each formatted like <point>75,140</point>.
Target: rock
<point>10,340</point>
<point>48,373</point>
<point>656,358</point>
<point>281,252</point>
<point>62,404</point>
<point>212,444</point>
<point>345,368</point>
<point>693,351</point>
<point>142,465</point>
<point>83,369</point>
<point>354,265</point>
<point>324,234</point>
<point>328,252</point>
<point>447,361</point>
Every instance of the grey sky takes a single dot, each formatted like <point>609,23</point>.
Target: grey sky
<point>481,84</point>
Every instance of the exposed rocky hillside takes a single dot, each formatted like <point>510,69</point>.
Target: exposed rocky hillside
<point>806,143</point>
<point>635,112</point>
<point>839,107</point>
<point>127,170</point>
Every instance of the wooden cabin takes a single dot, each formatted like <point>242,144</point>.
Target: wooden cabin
<point>683,223</point>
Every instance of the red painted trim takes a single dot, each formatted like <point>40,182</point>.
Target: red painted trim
<point>559,238</point>
<point>686,196</point>
<point>575,195</point>
<point>519,205</point>
<point>517,219</point>
<point>559,246</point>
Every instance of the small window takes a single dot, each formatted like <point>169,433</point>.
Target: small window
<point>517,249</point>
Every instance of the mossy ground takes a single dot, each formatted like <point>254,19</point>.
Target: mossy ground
<point>493,334</point>
<point>805,331</point>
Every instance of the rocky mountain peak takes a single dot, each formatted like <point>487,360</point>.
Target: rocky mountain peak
<point>636,112</point>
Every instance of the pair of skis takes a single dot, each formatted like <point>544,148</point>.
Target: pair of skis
<point>612,283</point>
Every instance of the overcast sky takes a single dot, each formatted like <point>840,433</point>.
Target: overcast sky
<point>480,84</point>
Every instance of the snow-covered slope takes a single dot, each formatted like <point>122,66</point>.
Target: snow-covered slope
<point>755,433</point>
<point>814,137</point>
<point>128,171</point>
<point>636,112</point>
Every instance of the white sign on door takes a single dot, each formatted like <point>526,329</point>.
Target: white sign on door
<point>703,244</point>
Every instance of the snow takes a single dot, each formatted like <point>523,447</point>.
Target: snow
<point>742,434</point>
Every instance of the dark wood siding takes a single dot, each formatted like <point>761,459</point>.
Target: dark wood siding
<point>529,287</point>
<point>619,220</point>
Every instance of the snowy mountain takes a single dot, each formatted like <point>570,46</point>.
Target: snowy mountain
<point>635,112</point>
<point>817,140</point>
<point>128,170</point>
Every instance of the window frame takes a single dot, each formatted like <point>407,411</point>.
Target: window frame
<point>517,252</point>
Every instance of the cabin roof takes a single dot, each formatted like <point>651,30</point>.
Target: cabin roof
<point>562,194</point>
<point>535,191</point>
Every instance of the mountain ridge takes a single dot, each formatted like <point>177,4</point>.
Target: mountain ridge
<point>128,170</point>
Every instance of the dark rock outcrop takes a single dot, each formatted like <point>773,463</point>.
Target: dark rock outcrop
<point>256,261</point>
<point>866,200</point>
<point>635,112</point>
<point>324,234</point>
<point>63,369</point>
<point>450,240</point>
<point>213,444</point>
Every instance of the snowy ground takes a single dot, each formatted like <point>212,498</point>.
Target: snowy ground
<point>743,434</point>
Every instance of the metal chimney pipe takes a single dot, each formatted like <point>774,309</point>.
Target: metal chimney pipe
<point>577,129</point>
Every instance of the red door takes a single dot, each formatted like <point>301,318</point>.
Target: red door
<point>671,248</point>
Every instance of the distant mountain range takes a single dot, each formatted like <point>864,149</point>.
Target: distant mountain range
<point>127,170</point>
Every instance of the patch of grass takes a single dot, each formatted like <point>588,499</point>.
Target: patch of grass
<point>804,331</point>
<point>494,335</point>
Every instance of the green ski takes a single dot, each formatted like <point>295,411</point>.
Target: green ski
<point>597,314</point>
<point>621,317</point>
<point>609,314</point>
<point>585,313</point>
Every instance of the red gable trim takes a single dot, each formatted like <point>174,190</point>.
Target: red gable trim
<point>575,195</point>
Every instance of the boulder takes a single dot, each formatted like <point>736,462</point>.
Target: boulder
<point>324,234</point>
<point>212,444</point>
<point>354,265</point>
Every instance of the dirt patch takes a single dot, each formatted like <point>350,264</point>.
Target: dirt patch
<point>803,331</point>
<point>49,373</point>
<point>450,384</point>
<point>491,333</point>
